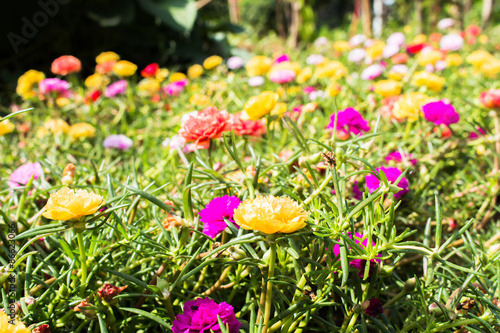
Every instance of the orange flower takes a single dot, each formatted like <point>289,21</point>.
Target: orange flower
<point>105,67</point>
<point>65,65</point>
<point>400,58</point>
<point>205,125</point>
<point>247,127</point>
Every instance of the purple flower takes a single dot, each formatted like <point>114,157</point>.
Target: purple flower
<point>212,216</point>
<point>451,42</point>
<point>356,55</point>
<point>397,38</point>
<point>118,141</point>
<point>392,174</point>
<point>445,23</point>
<point>116,88</point>
<point>255,81</point>
<point>440,113</point>
<point>360,265</point>
<point>398,158</point>
<point>373,307</point>
<point>234,62</point>
<point>58,86</point>
<point>22,175</point>
<point>356,191</point>
<point>315,59</point>
<point>200,316</point>
<point>175,88</point>
<point>371,72</point>
<point>349,121</point>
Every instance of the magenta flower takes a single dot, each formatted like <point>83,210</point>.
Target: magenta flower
<point>282,75</point>
<point>373,307</point>
<point>234,62</point>
<point>22,175</point>
<point>118,141</point>
<point>474,135</point>
<point>398,158</point>
<point>356,191</point>
<point>359,263</point>
<point>212,216</point>
<point>371,72</point>
<point>282,58</point>
<point>116,88</point>
<point>175,88</point>
<point>440,113</point>
<point>54,85</point>
<point>349,121</point>
<point>392,174</point>
<point>200,316</point>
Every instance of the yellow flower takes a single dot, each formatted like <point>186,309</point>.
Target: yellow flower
<point>483,39</point>
<point>310,107</point>
<point>453,59</point>
<point>396,76</point>
<point>161,74</point>
<point>107,56</point>
<point>148,86</point>
<point>332,69</point>
<point>6,127</point>
<point>67,204</point>
<point>81,130</point>
<point>56,126</point>
<point>6,327</point>
<point>258,65</point>
<point>26,82</point>
<point>375,51</point>
<point>479,57</point>
<point>199,100</point>
<point>195,71</point>
<point>409,105</point>
<point>491,69</point>
<point>387,88</point>
<point>429,58</point>
<point>333,89</point>
<point>431,81</point>
<point>341,46</point>
<point>212,62</point>
<point>177,77</point>
<point>124,68</point>
<point>279,110</point>
<point>419,39</point>
<point>270,215</point>
<point>95,81</point>
<point>304,75</point>
<point>62,101</point>
<point>260,105</point>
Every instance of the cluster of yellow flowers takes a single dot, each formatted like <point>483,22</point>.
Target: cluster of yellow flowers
<point>59,126</point>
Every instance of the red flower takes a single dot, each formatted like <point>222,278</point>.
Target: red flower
<point>108,291</point>
<point>490,98</point>
<point>247,127</point>
<point>415,48</point>
<point>150,70</point>
<point>472,30</point>
<point>41,329</point>
<point>65,65</point>
<point>205,125</point>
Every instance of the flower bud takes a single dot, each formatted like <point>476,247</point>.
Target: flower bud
<point>68,175</point>
<point>236,253</point>
<point>41,329</point>
<point>3,276</point>
<point>409,285</point>
<point>87,309</point>
<point>109,291</point>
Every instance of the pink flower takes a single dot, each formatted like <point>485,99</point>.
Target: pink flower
<point>451,42</point>
<point>212,216</point>
<point>207,124</point>
<point>440,113</point>
<point>65,65</point>
<point>445,23</point>
<point>175,88</point>
<point>390,50</point>
<point>397,38</point>
<point>392,174</point>
<point>474,135</point>
<point>356,55</point>
<point>201,316</point>
<point>23,174</point>
<point>255,81</point>
<point>247,127</point>
<point>282,75</point>
<point>282,58</point>
<point>234,62</point>
<point>349,121</point>
<point>371,72</point>
<point>54,85</point>
<point>118,141</point>
<point>359,264</point>
<point>398,158</point>
<point>490,98</point>
<point>315,59</point>
<point>357,39</point>
<point>116,88</point>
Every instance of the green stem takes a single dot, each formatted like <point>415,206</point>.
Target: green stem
<point>269,290</point>
<point>320,188</point>
<point>461,323</point>
<point>83,262</point>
